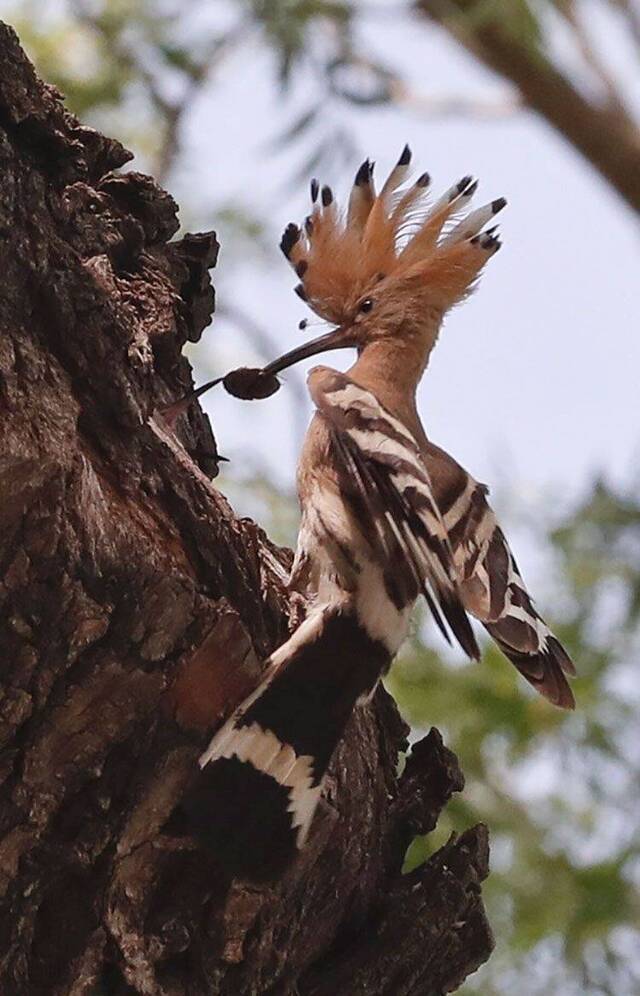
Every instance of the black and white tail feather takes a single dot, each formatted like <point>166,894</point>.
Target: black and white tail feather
<point>261,776</point>
<point>262,773</point>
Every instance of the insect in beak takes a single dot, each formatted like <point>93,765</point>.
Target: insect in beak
<point>250,384</point>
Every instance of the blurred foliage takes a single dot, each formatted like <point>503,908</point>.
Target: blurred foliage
<point>287,24</point>
<point>559,792</point>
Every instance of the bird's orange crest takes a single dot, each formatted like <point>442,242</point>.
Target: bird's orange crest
<point>340,256</point>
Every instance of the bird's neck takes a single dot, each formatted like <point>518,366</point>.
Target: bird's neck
<point>392,372</point>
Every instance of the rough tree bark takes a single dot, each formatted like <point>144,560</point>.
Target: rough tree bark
<point>135,609</point>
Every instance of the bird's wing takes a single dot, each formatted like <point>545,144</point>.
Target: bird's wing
<point>382,476</point>
<point>490,583</point>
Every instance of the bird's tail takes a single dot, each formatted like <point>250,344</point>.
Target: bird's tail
<point>538,656</point>
<point>261,776</point>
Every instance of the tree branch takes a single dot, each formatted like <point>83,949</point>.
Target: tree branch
<point>605,135</point>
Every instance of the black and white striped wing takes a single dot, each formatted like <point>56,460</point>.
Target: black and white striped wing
<point>491,586</point>
<point>383,478</point>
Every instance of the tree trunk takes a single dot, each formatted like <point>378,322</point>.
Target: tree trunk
<point>135,610</point>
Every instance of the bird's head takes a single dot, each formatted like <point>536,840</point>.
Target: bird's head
<point>391,265</point>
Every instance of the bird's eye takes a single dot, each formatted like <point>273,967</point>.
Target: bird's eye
<point>366,305</point>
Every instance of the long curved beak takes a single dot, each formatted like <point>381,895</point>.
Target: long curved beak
<point>339,338</point>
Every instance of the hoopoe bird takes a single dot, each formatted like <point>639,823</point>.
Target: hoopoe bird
<point>386,514</point>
